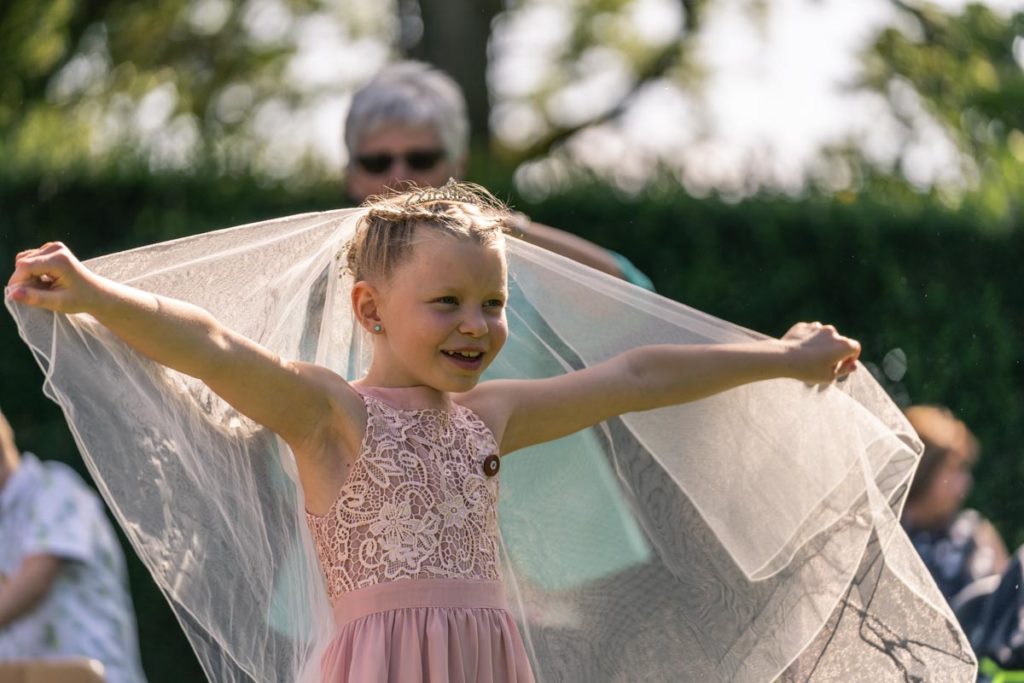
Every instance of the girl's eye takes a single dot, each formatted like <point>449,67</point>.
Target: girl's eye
<point>494,303</point>
<point>451,300</point>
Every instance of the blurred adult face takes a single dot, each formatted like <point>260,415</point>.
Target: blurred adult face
<point>394,154</point>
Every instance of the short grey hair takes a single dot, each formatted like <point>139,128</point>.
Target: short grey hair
<point>410,94</point>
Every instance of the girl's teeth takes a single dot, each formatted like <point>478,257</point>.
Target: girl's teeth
<point>461,354</point>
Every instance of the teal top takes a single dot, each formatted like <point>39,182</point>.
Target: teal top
<point>631,273</point>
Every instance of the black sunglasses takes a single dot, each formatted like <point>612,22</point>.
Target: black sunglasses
<point>417,160</point>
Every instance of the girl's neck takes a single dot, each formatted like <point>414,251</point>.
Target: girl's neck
<point>405,397</point>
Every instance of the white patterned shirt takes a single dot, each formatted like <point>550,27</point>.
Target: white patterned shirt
<point>47,509</point>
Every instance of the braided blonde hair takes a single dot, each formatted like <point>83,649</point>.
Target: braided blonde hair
<point>385,236</point>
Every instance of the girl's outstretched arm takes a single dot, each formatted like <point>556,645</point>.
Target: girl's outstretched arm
<point>292,399</point>
<point>527,412</point>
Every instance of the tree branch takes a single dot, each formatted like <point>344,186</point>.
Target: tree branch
<point>656,68</point>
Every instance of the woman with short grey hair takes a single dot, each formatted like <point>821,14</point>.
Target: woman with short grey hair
<point>412,94</point>
<point>409,125</point>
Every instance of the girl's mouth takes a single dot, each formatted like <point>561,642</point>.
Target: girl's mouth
<point>467,360</point>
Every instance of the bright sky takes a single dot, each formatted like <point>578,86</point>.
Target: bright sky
<point>778,92</point>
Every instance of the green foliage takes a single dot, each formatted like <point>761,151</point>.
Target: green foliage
<point>231,82</point>
<point>964,72</point>
<point>940,285</point>
<point>170,84</point>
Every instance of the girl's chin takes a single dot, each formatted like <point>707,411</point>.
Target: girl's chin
<point>456,384</point>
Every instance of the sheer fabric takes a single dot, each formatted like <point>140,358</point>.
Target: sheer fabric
<point>746,537</point>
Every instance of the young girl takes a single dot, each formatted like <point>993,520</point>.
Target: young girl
<point>398,468</point>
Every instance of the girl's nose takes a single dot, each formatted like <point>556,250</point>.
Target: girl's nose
<point>473,324</point>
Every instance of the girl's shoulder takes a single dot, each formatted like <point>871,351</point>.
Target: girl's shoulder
<point>335,388</point>
<point>326,454</point>
<point>345,418</point>
<point>488,402</point>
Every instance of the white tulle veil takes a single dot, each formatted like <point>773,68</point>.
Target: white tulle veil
<point>746,537</point>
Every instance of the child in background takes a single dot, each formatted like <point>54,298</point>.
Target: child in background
<point>63,582</point>
<point>397,469</point>
<point>958,545</point>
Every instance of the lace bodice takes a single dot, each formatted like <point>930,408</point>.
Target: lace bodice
<point>416,504</point>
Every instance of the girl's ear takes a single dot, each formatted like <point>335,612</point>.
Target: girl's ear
<point>365,300</point>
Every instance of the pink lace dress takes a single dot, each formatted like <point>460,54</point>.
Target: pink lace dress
<point>409,549</point>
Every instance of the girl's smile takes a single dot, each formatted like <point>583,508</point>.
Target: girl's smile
<point>466,359</point>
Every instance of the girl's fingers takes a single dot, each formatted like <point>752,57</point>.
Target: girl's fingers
<point>22,274</point>
<point>29,271</point>
<point>30,296</point>
<point>846,367</point>
<point>45,249</point>
<point>848,359</point>
<point>854,347</point>
<point>42,276</point>
<point>828,355</point>
<point>50,247</point>
<point>48,260</point>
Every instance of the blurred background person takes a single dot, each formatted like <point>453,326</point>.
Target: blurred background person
<point>958,545</point>
<point>63,586</point>
<point>409,125</point>
<point>962,549</point>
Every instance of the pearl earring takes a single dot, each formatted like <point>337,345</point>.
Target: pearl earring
<point>377,329</point>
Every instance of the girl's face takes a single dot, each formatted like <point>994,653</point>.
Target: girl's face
<point>443,314</point>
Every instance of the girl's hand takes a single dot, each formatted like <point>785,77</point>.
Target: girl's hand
<point>819,354</point>
<point>51,277</point>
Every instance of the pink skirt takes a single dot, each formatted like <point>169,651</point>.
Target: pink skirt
<point>426,631</point>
